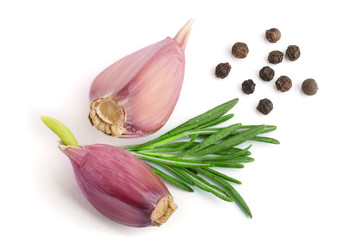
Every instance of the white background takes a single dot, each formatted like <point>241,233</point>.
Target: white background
<point>305,188</point>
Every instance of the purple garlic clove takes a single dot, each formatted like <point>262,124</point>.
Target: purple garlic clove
<point>120,186</point>
<point>136,95</point>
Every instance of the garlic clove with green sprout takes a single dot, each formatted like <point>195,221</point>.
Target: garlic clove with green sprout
<point>117,183</point>
<point>136,95</point>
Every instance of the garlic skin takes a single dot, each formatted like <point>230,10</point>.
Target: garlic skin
<point>120,186</point>
<point>136,95</point>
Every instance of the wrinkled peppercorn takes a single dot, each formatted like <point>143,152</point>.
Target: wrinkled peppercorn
<point>267,73</point>
<point>309,87</point>
<point>293,52</point>
<point>222,70</point>
<point>273,35</point>
<point>240,50</point>
<point>283,83</point>
<point>248,86</point>
<point>275,57</point>
<point>265,106</point>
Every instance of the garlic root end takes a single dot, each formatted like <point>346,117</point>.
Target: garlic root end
<point>163,210</point>
<point>107,116</point>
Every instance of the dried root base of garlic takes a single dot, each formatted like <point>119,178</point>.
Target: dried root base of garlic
<point>163,210</point>
<point>107,116</point>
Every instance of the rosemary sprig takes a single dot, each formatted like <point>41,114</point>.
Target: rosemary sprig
<point>188,152</point>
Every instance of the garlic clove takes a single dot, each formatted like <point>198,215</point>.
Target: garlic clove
<point>136,95</point>
<point>120,186</point>
<point>116,183</point>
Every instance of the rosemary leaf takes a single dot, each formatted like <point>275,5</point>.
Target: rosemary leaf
<point>174,145</point>
<point>243,152</point>
<point>228,159</point>
<point>229,189</point>
<point>211,158</point>
<point>171,179</point>
<point>268,128</point>
<point>173,161</point>
<point>265,140</point>
<point>224,155</point>
<point>180,146</point>
<point>209,116</point>
<point>228,164</point>
<point>206,186</point>
<point>223,176</point>
<point>218,121</point>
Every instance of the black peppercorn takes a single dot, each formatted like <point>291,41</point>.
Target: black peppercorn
<point>275,57</point>
<point>265,106</point>
<point>240,50</point>
<point>293,52</point>
<point>283,83</point>
<point>248,86</point>
<point>267,73</point>
<point>309,87</point>
<point>273,35</point>
<point>222,70</point>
